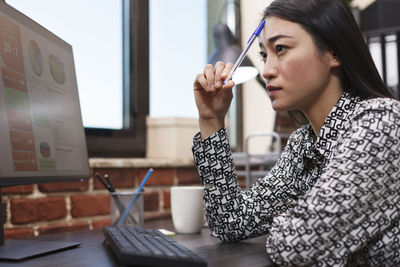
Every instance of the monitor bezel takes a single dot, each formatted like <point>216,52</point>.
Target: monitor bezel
<point>28,180</point>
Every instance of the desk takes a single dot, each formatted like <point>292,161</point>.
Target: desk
<point>92,251</point>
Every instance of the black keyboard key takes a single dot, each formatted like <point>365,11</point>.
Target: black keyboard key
<point>139,246</point>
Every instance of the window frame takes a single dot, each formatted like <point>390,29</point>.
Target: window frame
<point>131,140</point>
<point>380,35</point>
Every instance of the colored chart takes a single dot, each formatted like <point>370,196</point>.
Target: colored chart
<point>35,57</point>
<point>57,69</point>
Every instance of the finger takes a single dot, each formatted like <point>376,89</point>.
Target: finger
<point>228,85</point>
<point>225,73</point>
<point>200,82</point>
<point>209,74</point>
<point>219,67</point>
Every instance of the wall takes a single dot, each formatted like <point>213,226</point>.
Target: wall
<point>40,209</point>
<point>170,137</point>
<point>59,207</point>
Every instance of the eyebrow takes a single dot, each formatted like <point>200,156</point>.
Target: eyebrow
<point>277,37</point>
<point>274,39</point>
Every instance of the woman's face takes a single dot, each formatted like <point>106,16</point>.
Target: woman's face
<point>297,74</point>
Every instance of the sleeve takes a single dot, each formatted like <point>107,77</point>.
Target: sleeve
<point>234,214</point>
<point>354,203</point>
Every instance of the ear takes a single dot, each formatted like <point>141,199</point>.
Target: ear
<point>334,59</point>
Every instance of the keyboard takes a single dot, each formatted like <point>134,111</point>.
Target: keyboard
<point>134,245</point>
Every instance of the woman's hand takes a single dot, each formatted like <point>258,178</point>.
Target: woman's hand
<point>212,97</point>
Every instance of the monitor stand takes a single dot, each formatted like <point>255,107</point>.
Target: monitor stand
<point>22,249</point>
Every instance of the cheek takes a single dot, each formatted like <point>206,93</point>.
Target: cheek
<point>296,70</point>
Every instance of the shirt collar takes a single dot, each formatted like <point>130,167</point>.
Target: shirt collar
<point>331,129</point>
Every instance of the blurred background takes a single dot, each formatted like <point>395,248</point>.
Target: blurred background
<point>136,61</point>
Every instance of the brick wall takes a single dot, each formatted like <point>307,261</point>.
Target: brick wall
<point>34,210</point>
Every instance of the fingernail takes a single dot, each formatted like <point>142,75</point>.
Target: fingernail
<point>218,83</point>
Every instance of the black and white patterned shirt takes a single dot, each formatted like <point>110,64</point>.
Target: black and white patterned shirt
<point>329,200</point>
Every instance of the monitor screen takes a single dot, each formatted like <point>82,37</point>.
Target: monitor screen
<point>42,138</point>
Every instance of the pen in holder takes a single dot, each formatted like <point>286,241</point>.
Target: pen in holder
<point>117,206</point>
<point>135,215</point>
<point>135,197</point>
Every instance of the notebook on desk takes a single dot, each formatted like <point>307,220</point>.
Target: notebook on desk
<point>134,245</point>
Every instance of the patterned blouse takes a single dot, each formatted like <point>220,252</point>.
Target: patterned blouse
<point>329,200</point>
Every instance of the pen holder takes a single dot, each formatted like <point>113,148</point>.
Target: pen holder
<point>119,201</point>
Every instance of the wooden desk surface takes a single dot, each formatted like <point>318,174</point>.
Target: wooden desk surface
<point>93,252</point>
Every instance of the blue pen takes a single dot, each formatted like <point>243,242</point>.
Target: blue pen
<point>133,199</point>
<point>255,34</point>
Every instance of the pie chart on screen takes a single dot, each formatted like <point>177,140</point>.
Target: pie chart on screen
<point>45,149</point>
<point>57,69</point>
<point>35,57</point>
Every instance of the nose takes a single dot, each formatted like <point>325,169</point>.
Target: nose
<point>270,70</point>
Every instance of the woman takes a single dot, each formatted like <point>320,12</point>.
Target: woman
<point>333,196</point>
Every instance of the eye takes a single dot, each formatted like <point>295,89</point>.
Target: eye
<point>263,55</point>
<point>279,48</point>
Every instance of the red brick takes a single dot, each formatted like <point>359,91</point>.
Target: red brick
<point>167,199</point>
<point>18,233</point>
<point>188,176</point>
<point>64,186</point>
<point>151,201</point>
<point>120,178</point>
<point>3,214</point>
<point>58,228</point>
<point>160,176</point>
<point>18,189</point>
<point>99,224</point>
<point>90,205</point>
<point>242,181</point>
<point>33,210</point>
<point>241,178</point>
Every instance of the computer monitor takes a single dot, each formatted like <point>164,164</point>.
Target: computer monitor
<point>42,138</point>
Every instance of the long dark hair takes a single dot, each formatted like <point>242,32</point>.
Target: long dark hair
<point>332,26</point>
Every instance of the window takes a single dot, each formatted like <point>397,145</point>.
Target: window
<point>383,46</point>
<point>178,51</point>
<point>392,70</point>
<point>94,29</point>
<point>375,49</point>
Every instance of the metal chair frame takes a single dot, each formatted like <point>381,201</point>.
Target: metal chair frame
<point>264,160</point>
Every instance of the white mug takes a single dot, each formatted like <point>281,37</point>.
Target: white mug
<point>187,208</point>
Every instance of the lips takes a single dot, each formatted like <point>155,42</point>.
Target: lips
<point>272,90</point>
